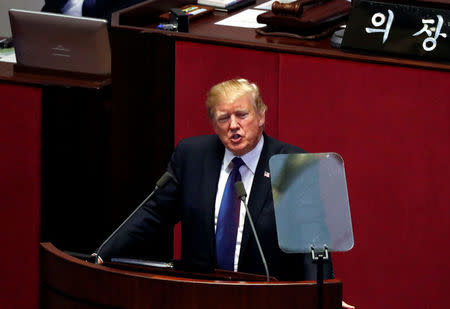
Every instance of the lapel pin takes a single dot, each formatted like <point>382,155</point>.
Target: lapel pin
<point>267,174</point>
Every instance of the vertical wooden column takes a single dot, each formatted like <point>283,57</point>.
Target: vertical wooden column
<point>20,194</point>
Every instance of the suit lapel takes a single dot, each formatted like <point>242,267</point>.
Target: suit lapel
<point>259,194</point>
<point>212,165</point>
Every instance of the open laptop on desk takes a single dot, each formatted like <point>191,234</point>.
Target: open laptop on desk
<point>61,42</point>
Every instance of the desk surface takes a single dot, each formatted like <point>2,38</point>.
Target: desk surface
<point>144,16</point>
<point>40,78</point>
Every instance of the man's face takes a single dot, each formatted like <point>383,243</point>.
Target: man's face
<point>238,124</point>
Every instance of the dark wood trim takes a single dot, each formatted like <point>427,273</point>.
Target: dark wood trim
<point>8,73</point>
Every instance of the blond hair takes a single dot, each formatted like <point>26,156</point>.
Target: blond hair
<point>231,90</point>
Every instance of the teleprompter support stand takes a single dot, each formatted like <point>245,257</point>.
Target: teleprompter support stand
<point>319,256</point>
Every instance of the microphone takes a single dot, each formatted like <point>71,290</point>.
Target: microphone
<point>159,184</point>
<point>162,182</point>
<point>240,190</point>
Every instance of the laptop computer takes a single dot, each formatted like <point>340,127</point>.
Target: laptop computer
<point>61,42</point>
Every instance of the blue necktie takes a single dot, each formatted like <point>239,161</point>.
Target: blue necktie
<point>228,220</point>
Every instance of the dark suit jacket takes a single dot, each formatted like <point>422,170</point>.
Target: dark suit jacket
<point>104,8</point>
<point>196,165</point>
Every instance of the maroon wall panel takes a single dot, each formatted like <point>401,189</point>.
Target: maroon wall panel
<point>391,125</point>
<point>20,195</point>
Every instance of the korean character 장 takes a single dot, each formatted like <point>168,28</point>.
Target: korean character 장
<point>431,41</point>
<point>378,19</point>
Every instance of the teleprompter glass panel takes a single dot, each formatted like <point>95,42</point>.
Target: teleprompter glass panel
<point>311,202</point>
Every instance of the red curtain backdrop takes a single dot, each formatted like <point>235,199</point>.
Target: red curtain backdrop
<point>389,123</point>
<point>20,195</point>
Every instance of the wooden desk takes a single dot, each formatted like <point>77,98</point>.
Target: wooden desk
<point>387,116</point>
<point>144,17</point>
<point>67,282</point>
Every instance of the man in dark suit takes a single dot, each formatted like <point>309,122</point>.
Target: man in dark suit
<point>89,8</point>
<point>202,167</point>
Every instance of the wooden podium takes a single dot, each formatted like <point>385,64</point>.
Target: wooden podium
<point>67,282</point>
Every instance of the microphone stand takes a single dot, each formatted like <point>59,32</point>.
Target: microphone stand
<point>319,260</point>
<point>159,184</point>
<point>239,186</point>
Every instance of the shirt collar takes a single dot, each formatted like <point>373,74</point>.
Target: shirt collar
<point>250,159</point>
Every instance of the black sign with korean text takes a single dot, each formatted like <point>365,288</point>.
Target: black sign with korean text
<point>400,29</point>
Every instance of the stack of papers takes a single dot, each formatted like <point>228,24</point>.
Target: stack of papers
<point>7,55</point>
<point>226,4</point>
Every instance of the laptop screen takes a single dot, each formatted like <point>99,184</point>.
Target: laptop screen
<point>61,42</point>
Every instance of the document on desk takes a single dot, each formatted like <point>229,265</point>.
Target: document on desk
<point>7,55</point>
<point>244,19</point>
<point>268,5</point>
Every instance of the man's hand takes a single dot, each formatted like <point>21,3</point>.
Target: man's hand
<point>345,305</point>
<point>98,260</point>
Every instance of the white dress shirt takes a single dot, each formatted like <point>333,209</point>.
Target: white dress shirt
<point>73,7</point>
<point>247,171</point>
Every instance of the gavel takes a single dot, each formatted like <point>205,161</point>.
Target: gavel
<point>294,8</point>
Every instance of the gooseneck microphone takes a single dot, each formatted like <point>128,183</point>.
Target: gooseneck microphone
<point>159,184</point>
<point>240,190</point>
